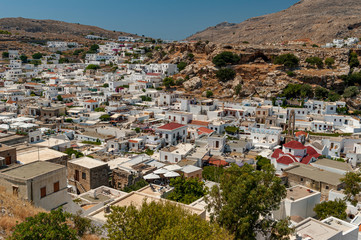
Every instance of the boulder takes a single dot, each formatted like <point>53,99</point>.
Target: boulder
<point>193,83</point>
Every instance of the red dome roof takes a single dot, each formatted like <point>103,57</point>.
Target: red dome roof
<point>294,145</point>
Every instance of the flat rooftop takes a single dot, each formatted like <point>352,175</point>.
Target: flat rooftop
<point>298,192</point>
<point>88,162</point>
<point>339,224</point>
<point>315,229</point>
<point>136,199</point>
<point>32,170</point>
<point>38,154</point>
<point>333,164</point>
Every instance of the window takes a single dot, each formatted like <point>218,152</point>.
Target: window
<point>15,190</point>
<point>83,175</point>
<point>166,157</point>
<point>301,179</point>
<point>56,187</point>
<point>327,187</point>
<point>176,159</point>
<point>42,192</point>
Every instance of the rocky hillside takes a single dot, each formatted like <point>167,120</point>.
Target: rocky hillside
<point>255,72</point>
<point>51,29</point>
<point>318,20</point>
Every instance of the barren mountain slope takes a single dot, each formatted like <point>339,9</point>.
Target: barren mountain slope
<point>319,20</point>
<point>51,29</point>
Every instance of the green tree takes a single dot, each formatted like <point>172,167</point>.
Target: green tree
<point>92,66</point>
<point>24,58</point>
<point>212,173</point>
<point>186,190</point>
<point>315,61</point>
<point>168,82</point>
<point>306,91</point>
<point>351,92</point>
<point>64,60</point>
<point>5,55</point>
<point>93,48</point>
<point>104,117</point>
<point>238,89</point>
<point>321,93</point>
<point>137,130</point>
<point>335,208</point>
<point>37,55</point>
<point>190,56</point>
<point>226,58</point>
<point>160,221</point>
<point>136,186</point>
<point>105,85</point>
<point>59,98</point>
<point>245,200</point>
<point>329,62</point>
<point>47,226</point>
<point>71,151</point>
<point>288,60</point>
<point>262,162</point>
<point>333,97</point>
<point>353,60</point>
<point>225,74</point>
<point>181,66</point>
<point>352,188</point>
<point>209,93</point>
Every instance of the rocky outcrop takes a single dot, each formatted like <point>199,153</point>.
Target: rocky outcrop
<point>192,84</point>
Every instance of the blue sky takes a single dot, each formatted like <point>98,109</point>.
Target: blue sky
<point>166,19</point>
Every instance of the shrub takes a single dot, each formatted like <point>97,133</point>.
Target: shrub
<point>225,58</point>
<point>321,93</point>
<point>351,92</point>
<point>225,74</point>
<point>37,55</point>
<point>329,62</point>
<point>92,66</point>
<point>353,60</point>
<point>168,82</point>
<point>288,60</point>
<point>181,66</point>
<point>238,89</point>
<point>209,93</point>
<point>315,61</point>
<point>291,74</point>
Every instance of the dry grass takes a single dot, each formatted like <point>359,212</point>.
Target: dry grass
<point>14,210</point>
<point>90,237</point>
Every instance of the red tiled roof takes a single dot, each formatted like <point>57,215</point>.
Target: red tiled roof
<point>277,153</point>
<point>32,83</point>
<point>91,101</point>
<point>200,123</point>
<point>307,159</point>
<point>286,160</point>
<point>10,102</point>
<point>205,130</point>
<point>300,133</point>
<point>311,150</point>
<point>133,141</point>
<point>294,145</point>
<point>171,126</point>
<point>218,162</point>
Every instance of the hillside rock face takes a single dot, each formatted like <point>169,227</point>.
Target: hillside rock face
<point>51,29</point>
<point>318,20</point>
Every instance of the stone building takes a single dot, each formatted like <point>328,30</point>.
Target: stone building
<point>314,178</point>
<point>42,183</point>
<point>87,173</point>
<point>8,153</point>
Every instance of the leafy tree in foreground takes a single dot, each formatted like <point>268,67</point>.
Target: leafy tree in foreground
<point>168,82</point>
<point>262,162</point>
<point>335,208</point>
<point>212,173</point>
<point>186,190</point>
<point>245,200</point>
<point>352,182</point>
<point>160,220</point>
<point>49,226</point>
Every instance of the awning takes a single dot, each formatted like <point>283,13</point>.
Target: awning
<point>161,171</point>
<point>151,176</point>
<point>171,174</point>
